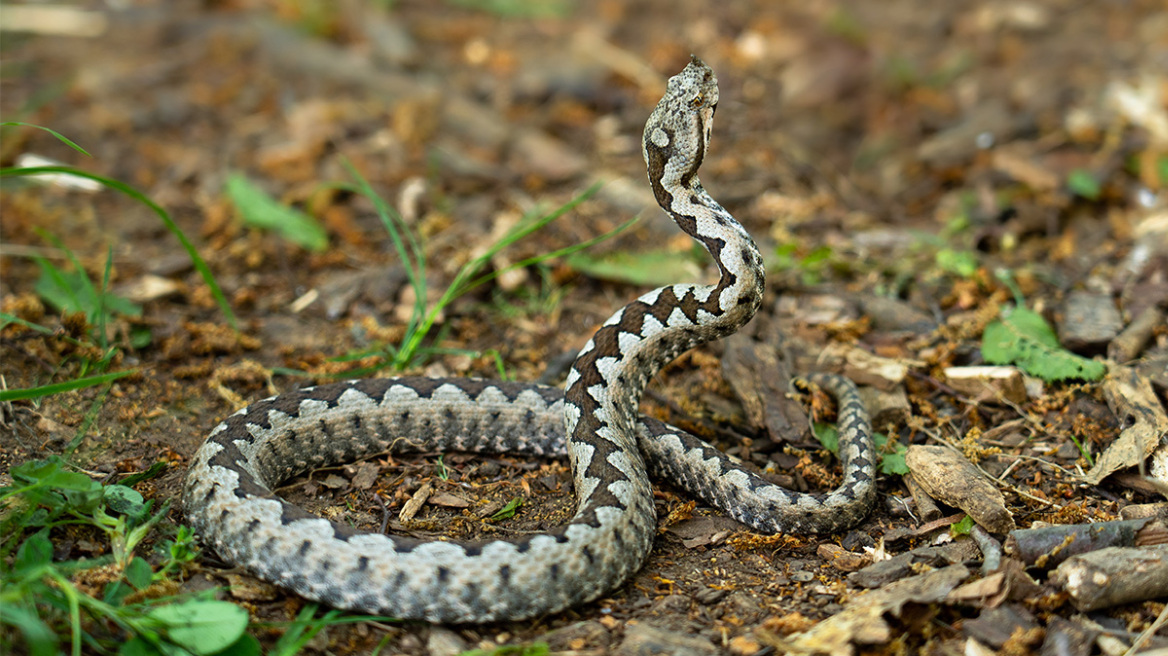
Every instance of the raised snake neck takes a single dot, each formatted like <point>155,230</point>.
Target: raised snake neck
<point>229,502</point>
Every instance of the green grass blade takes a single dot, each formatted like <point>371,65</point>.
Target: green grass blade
<point>302,630</point>
<point>409,251</point>
<point>563,252</point>
<point>63,139</point>
<point>525,228</point>
<point>101,309</point>
<point>66,386</point>
<point>6,319</point>
<point>87,420</point>
<point>162,214</point>
<point>460,286</point>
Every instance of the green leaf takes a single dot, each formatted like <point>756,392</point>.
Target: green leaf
<point>962,263</point>
<point>828,436</point>
<point>1025,339</point>
<point>247,645</point>
<point>818,256</point>
<point>48,472</point>
<point>646,268</point>
<point>71,291</point>
<point>891,462</point>
<point>962,527</point>
<point>36,551</point>
<point>116,592</point>
<point>84,501</point>
<point>38,636</point>
<point>139,573</point>
<point>137,646</point>
<point>260,210</point>
<point>508,511</point>
<point>124,500</point>
<point>1083,184</point>
<point>202,627</point>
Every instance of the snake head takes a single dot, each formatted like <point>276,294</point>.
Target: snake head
<point>677,133</point>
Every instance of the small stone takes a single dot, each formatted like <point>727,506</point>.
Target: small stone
<point>644,640</point>
<point>444,642</point>
<point>578,636</point>
<point>150,288</point>
<point>710,596</point>
<point>744,607</point>
<point>744,645</point>
<point>671,604</point>
<point>842,559</point>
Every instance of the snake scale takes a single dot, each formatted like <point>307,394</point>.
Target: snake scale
<point>228,496</point>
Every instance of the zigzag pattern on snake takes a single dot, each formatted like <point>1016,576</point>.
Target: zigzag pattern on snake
<point>228,496</point>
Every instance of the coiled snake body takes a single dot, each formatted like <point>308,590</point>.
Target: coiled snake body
<point>229,502</point>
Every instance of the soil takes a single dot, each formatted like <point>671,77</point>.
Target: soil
<point>891,158</point>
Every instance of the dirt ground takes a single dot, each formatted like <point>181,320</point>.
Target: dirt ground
<point>891,158</point>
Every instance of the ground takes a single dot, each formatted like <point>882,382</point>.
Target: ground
<point>910,170</point>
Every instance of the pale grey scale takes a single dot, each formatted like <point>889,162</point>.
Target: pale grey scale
<point>228,498</point>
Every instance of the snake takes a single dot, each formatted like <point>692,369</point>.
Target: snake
<point>612,450</point>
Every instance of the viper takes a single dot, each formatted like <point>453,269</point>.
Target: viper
<point>612,450</point>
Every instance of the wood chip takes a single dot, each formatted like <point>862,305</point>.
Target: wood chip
<point>1135,404</point>
<point>366,475</point>
<point>867,369</point>
<point>1089,321</point>
<point>1143,510</point>
<point>249,588</point>
<point>149,288</point>
<point>926,506</point>
<point>863,622</point>
<point>995,625</point>
<point>886,408</point>
<point>448,500</point>
<point>988,383</point>
<point>335,482</point>
<point>1128,344</point>
<point>411,507</point>
<point>951,479</point>
<point>842,559</point>
<point>761,380</point>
